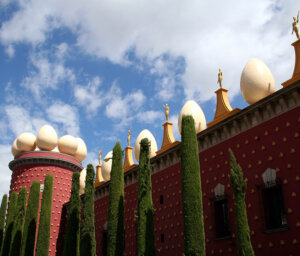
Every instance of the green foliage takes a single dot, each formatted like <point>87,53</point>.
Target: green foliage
<point>9,223</point>
<point>194,236</point>
<point>42,244</point>
<point>30,224</point>
<point>115,226</point>
<point>19,223</point>
<point>2,218</point>
<point>72,238</point>
<point>239,189</point>
<point>145,232</point>
<point>87,231</point>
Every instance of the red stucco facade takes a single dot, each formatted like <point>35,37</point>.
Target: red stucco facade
<point>273,144</point>
<point>31,166</point>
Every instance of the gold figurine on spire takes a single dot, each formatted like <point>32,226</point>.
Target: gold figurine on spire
<point>100,156</point>
<point>167,111</point>
<point>128,137</point>
<point>220,78</point>
<point>295,26</point>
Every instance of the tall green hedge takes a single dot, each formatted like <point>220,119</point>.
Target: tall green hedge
<point>87,230</point>
<point>10,219</point>
<point>19,223</point>
<point>194,236</point>
<point>72,238</point>
<point>30,224</point>
<point>115,225</point>
<point>239,190</point>
<point>2,218</point>
<point>145,232</point>
<point>42,245</point>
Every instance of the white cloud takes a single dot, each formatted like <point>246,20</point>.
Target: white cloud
<point>10,51</point>
<point>20,120</point>
<point>207,34</point>
<point>123,107</point>
<point>89,96</point>
<point>45,74</point>
<point>150,117</point>
<point>5,158</point>
<point>65,115</point>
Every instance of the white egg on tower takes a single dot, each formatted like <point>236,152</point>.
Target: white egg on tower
<point>26,142</point>
<point>153,148</point>
<point>14,148</point>
<point>193,109</point>
<point>67,144</point>
<point>81,151</point>
<point>46,138</point>
<point>106,166</point>
<point>82,178</point>
<point>257,81</point>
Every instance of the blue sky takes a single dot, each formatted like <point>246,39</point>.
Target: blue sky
<point>95,69</point>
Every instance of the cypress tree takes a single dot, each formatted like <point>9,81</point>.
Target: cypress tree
<point>42,244</point>
<point>72,238</point>
<point>19,223</point>
<point>30,224</point>
<point>9,223</point>
<point>87,231</point>
<point>194,237</point>
<point>115,225</point>
<point>145,232</point>
<point>2,217</point>
<point>239,190</point>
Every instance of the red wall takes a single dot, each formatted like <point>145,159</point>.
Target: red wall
<point>22,176</point>
<point>274,144</point>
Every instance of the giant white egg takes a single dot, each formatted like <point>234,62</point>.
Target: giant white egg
<point>82,178</point>
<point>257,81</point>
<point>14,148</point>
<point>106,166</point>
<point>191,108</point>
<point>26,142</point>
<point>153,148</point>
<point>67,144</point>
<point>46,138</point>
<point>81,151</point>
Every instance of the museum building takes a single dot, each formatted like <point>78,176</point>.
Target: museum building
<point>265,138</point>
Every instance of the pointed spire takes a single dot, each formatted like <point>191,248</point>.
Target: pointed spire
<point>168,140</point>
<point>99,179</point>
<point>223,109</point>
<point>296,74</point>
<point>128,162</point>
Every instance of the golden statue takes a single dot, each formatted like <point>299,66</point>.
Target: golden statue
<point>295,26</point>
<point>167,109</point>
<point>100,156</point>
<point>220,77</point>
<point>128,137</point>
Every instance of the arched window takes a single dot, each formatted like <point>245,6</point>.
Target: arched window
<point>273,201</point>
<point>222,225</point>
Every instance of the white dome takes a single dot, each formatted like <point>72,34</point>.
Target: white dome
<point>145,134</point>
<point>67,144</point>
<point>106,166</point>
<point>193,109</point>
<point>257,81</point>
<point>82,181</point>
<point>81,151</point>
<point>26,142</point>
<point>46,138</point>
<point>14,148</point>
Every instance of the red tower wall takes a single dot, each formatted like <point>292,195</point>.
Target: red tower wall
<point>273,144</point>
<point>30,166</point>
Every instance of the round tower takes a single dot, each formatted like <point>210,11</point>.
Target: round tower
<point>34,165</point>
